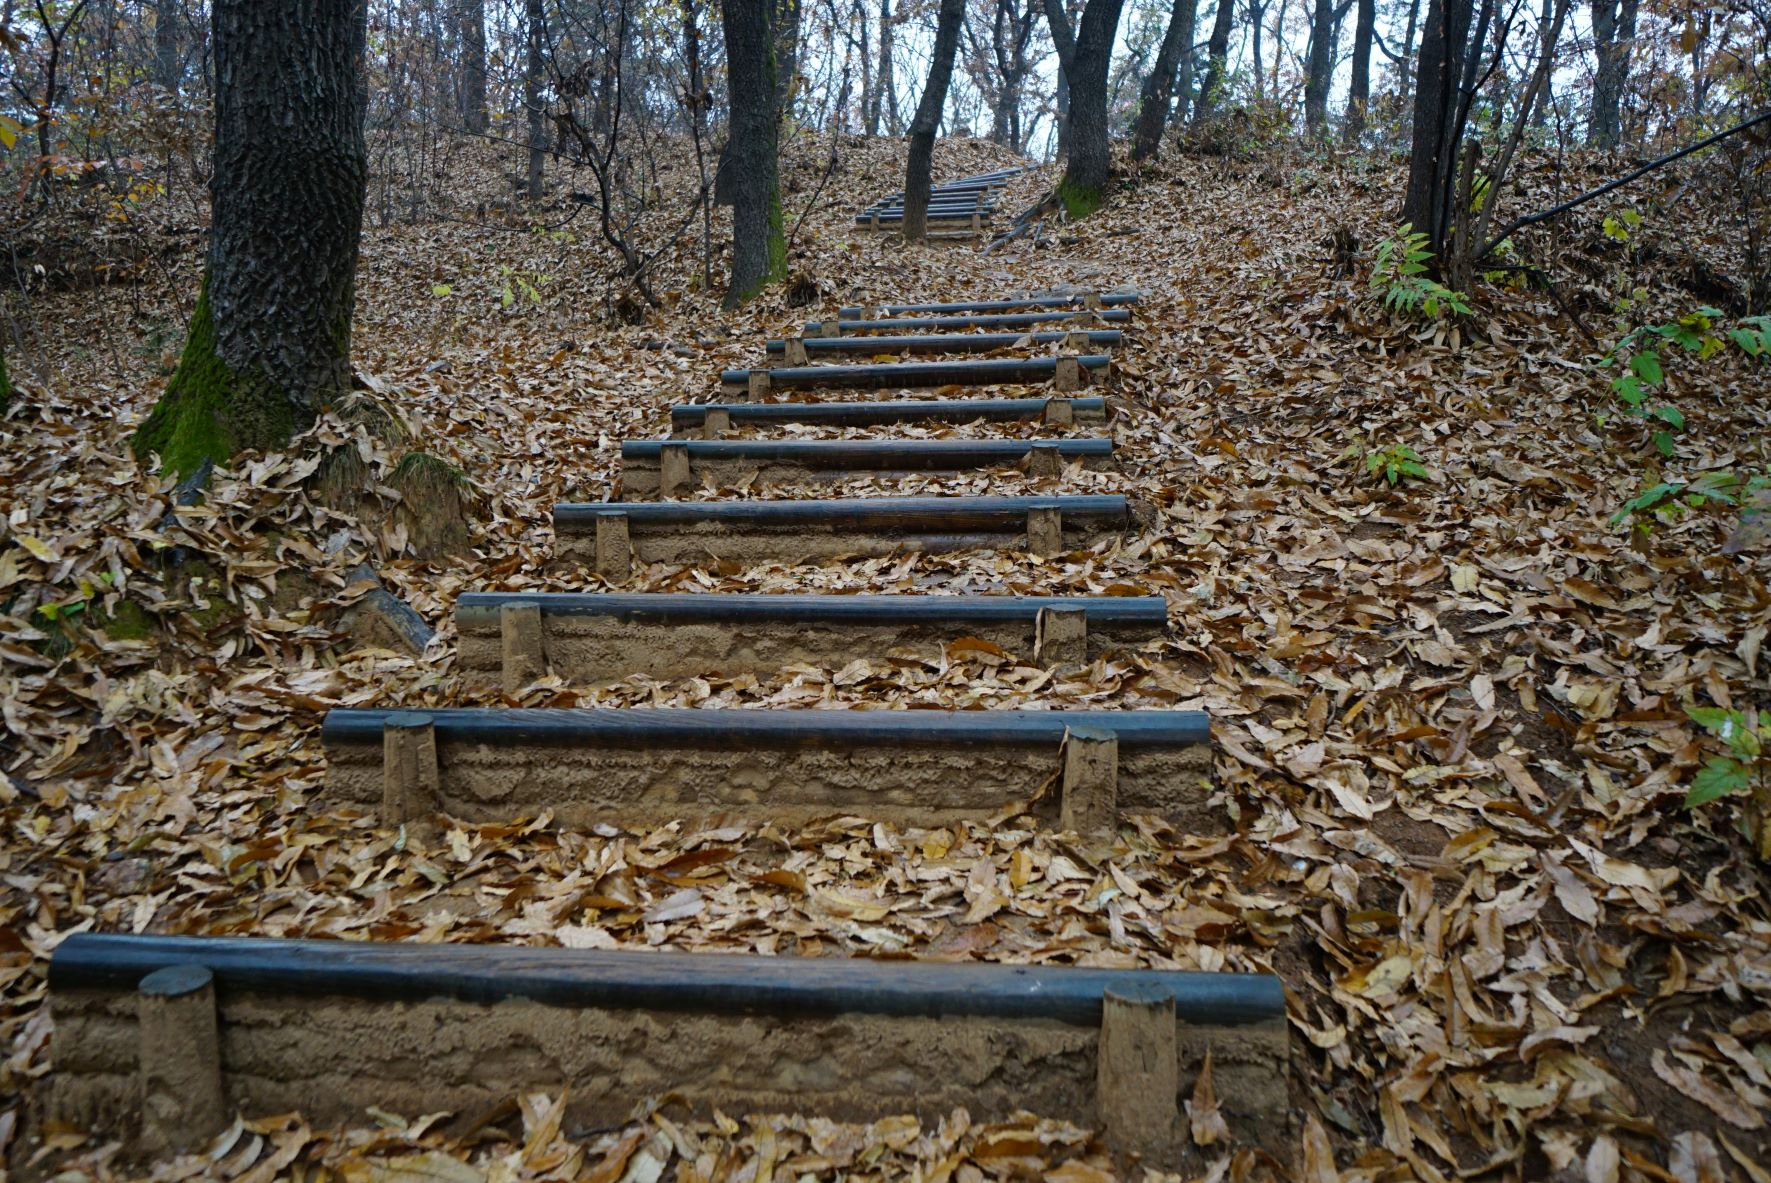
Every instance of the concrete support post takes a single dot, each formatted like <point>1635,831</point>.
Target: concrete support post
<point>1045,531</point>
<point>182,1101</point>
<point>1137,1078</point>
<point>1090,803</point>
<point>614,552</point>
<point>673,468</point>
<point>1067,376</point>
<point>410,778</point>
<point>522,647</point>
<point>1060,636</point>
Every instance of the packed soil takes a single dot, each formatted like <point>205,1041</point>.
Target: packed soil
<point>1452,744</point>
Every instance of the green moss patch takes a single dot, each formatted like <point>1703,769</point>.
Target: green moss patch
<point>1079,200</point>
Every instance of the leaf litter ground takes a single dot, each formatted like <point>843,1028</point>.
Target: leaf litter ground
<point>1449,715</point>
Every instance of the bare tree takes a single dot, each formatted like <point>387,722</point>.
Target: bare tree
<point>470,31</point>
<point>1086,63</point>
<point>1614,35</point>
<point>1325,27</point>
<point>884,100</point>
<point>1438,120</point>
<point>534,79</point>
<point>167,57</point>
<point>1217,54</point>
<point>759,242</point>
<point>928,119</point>
<point>1175,57</point>
<point>1359,90</point>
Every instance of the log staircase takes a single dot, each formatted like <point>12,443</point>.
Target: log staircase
<point>165,1038</point>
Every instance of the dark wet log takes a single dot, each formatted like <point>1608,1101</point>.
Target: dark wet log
<point>1149,612</point>
<point>638,980</point>
<point>643,728</point>
<point>1006,514</point>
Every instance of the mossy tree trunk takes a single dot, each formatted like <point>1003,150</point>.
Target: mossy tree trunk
<point>269,344</point>
<point>1088,163</point>
<point>759,240</point>
<point>5,382</point>
<point>928,119</point>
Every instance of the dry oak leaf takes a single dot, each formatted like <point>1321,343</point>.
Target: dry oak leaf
<point>1723,1103</point>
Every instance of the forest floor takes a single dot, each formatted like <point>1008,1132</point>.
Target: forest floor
<point>1452,743</point>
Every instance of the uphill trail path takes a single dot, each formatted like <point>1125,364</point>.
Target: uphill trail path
<point>1448,715</point>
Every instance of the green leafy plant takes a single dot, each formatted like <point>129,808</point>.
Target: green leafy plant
<point>1620,227</point>
<point>527,284</point>
<point>1746,734</point>
<point>1666,502</point>
<point>1642,355</point>
<point>1395,464</point>
<point>1400,273</point>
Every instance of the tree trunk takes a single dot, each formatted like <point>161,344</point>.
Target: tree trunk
<point>1064,42</point>
<point>928,119</point>
<point>166,54</point>
<point>882,86</point>
<point>759,244</point>
<point>1087,162</point>
<point>1318,68</point>
<point>1217,53</point>
<point>864,47</point>
<point>1153,104</point>
<point>1359,93</point>
<point>1438,123</point>
<point>533,79</point>
<point>784,25</point>
<point>1403,65</point>
<point>1614,34</point>
<point>470,23</point>
<point>270,341</point>
<point>5,382</point>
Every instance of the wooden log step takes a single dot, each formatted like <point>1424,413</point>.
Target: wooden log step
<point>950,342</point>
<point>609,535</point>
<point>982,371</point>
<point>1001,320</point>
<point>1078,300</point>
<point>675,468</point>
<point>699,417</point>
<point>638,766</point>
<point>517,637</point>
<point>333,1028</point>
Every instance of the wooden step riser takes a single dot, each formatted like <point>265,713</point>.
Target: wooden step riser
<point>706,543</point>
<point>1093,367</point>
<point>691,420</point>
<point>332,1051</point>
<point>602,648</point>
<point>334,1058</point>
<point>1079,300</point>
<point>584,786</point>
<point>1082,318</point>
<point>846,348</point>
<point>643,476</point>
